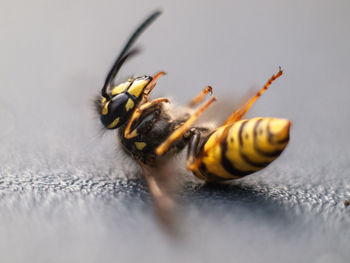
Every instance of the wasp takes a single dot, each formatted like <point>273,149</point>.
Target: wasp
<point>150,134</point>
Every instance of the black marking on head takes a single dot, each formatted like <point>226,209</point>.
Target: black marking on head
<point>117,109</point>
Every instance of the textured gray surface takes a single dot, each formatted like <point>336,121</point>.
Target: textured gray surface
<point>68,195</point>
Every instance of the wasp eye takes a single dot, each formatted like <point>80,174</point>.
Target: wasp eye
<point>115,111</point>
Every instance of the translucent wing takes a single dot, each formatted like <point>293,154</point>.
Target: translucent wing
<point>163,187</point>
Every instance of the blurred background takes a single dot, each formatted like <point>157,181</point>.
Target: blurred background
<point>67,194</point>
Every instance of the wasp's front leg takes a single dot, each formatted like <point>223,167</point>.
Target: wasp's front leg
<point>130,131</point>
<point>161,149</point>
<point>151,86</point>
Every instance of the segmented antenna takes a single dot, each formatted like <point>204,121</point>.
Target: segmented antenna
<point>124,54</point>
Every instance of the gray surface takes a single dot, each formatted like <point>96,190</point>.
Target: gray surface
<point>68,195</point>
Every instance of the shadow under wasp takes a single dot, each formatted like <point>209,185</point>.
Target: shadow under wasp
<point>150,134</point>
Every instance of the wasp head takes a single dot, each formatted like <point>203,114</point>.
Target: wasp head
<point>117,107</point>
<point>119,102</point>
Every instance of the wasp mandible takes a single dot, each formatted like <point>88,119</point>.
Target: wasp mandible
<point>150,134</point>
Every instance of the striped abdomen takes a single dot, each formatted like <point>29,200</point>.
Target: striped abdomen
<point>242,148</point>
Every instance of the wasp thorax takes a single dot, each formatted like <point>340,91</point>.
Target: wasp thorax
<point>125,96</point>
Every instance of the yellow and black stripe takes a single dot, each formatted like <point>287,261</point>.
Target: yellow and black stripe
<point>242,148</point>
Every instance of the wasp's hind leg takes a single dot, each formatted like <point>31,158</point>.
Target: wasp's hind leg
<point>195,153</point>
<point>199,98</point>
<point>239,113</point>
<point>192,163</point>
<point>162,148</point>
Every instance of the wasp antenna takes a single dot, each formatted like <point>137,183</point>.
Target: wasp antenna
<point>115,69</point>
<point>280,69</point>
<point>124,53</point>
<point>138,31</point>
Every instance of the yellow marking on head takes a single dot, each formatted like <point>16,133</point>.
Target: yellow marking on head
<point>120,88</point>
<point>140,145</point>
<point>114,123</point>
<point>137,87</point>
<point>103,100</point>
<point>105,108</point>
<point>129,104</point>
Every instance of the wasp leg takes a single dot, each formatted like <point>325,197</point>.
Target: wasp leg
<point>239,113</point>
<point>183,128</point>
<point>145,104</point>
<point>151,85</point>
<point>195,156</point>
<point>128,134</point>
<point>200,96</point>
<point>192,149</point>
<point>194,159</point>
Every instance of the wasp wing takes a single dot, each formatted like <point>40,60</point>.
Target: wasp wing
<point>163,187</point>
